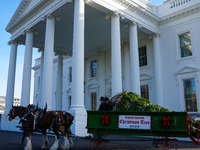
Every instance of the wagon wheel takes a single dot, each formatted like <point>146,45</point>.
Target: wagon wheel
<point>166,143</point>
<point>98,142</point>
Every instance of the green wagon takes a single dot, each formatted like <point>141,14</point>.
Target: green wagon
<point>163,125</point>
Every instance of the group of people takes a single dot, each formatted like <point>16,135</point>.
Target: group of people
<point>104,103</point>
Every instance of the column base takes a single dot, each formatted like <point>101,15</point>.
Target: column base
<point>79,122</point>
<point>9,125</point>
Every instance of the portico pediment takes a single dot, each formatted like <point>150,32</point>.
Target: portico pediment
<point>28,6</point>
<point>187,69</point>
<point>22,9</point>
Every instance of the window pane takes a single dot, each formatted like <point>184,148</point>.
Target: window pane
<point>70,74</point>
<point>186,51</point>
<point>93,69</point>
<point>144,91</point>
<point>143,56</point>
<point>190,95</point>
<point>94,101</point>
<point>185,39</point>
<point>70,101</point>
<point>185,45</point>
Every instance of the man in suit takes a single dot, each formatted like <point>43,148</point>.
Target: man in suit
<point>104,103</point>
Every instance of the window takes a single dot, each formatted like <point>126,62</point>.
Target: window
<point>185,45</point>
<point>143,56</point>
<point>70,101</point>
<point>93,68</point>
<point>94,101</point>
<point>190,95</point>
<point>70,74</point>
<point>144,91</point>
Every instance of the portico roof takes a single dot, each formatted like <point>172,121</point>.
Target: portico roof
<point>97,27</point>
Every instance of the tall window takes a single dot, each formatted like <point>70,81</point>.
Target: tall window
<point>190,95</point>
<point>185,44</point>
<point>70,74</point>
<point>144,91</point>
<point>94,101</point>
<point>70,101</point>
<point>93,68</point>
<point>143,56</point>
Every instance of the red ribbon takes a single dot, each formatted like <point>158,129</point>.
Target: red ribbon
<point>166,121</point>
<point>105,120</point>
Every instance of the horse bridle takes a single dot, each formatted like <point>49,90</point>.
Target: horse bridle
<point>12,111</point>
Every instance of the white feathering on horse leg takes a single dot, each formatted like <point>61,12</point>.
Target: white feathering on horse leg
<point>55,145</point>
<point>45,144</point>
<point>66,144</point>
<point>70,142</point>
<point>28,144</point>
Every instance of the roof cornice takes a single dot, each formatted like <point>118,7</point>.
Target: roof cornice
<point>140,10</point>
<point>179,15</point>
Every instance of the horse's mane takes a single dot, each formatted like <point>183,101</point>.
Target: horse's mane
<point>21,107</point>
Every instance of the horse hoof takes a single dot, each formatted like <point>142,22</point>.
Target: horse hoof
<point>44,147</point>
<point>65,147</point>
<point>27,148</point>
<point>71,143</point>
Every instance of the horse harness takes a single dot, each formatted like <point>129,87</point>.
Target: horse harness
<point>30,111</point>
<point>38,114</point>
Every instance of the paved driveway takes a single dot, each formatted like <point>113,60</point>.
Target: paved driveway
<point>11,141</point>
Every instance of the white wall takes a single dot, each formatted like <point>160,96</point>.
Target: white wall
<point>172,63</point>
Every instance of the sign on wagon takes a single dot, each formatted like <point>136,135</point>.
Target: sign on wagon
<point>134,122</point>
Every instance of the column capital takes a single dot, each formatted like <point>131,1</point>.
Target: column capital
<point>116,14</point>
<point>60,52</point>
<point>51,15</point>
<point>132,23</point>
<point>156,35</point>
<point>29,30</point>
<point>11,42</point>
<point>14,41</point>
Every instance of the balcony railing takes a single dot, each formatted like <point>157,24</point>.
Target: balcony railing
<point>176,3</point>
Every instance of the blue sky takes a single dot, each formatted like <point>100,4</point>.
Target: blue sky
<point>7,9</point>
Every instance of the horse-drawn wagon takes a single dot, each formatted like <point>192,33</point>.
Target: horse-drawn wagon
<point>165,126</point>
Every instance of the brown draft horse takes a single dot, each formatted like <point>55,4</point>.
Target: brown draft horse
<point>35,119</point>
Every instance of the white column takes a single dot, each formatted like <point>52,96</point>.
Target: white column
<point>102,75</point>
<point>47,78</point>
<point>126,67</point>
<point>134,59</point>
<point>41,76</point>
<point>26,80</point>
<point>77,108</point>
<point>11,77</point>
<point>116,55</point>
<point>78,56</point>
<point>59,82</point>
<point>158,72</point>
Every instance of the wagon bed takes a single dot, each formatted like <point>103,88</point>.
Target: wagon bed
<point>164,125</point>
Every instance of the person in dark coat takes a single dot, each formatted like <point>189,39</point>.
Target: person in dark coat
<point>104,103</point>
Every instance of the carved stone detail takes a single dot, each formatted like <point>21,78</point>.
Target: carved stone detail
<point>114,13</point>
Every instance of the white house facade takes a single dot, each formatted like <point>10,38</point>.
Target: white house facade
<point>115,46</point>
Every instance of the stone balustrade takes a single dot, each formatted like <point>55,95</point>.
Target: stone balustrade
<point>176,3</point>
